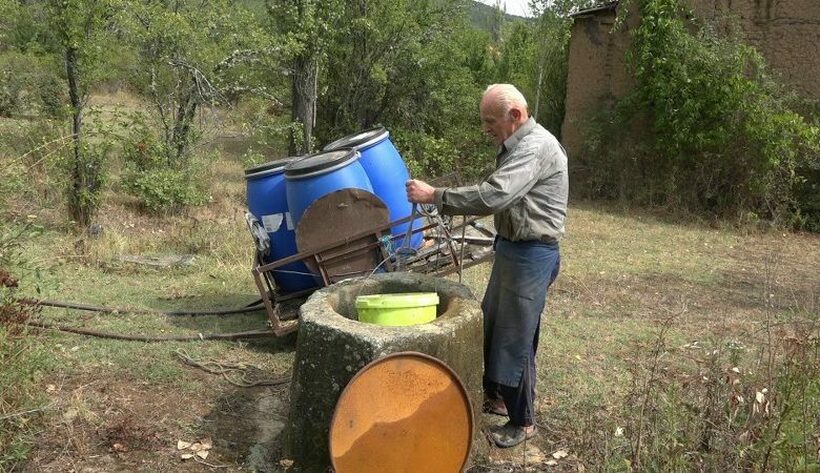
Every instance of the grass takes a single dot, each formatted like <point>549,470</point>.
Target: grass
<point>625,274</point>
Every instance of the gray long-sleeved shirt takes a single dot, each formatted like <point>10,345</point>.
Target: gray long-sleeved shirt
<point>527,192</point>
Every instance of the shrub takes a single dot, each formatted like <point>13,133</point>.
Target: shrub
<point>426,155</point>
<point>164,190</point>
<point>23,360</point>
<point>721,136</point>
<point>153,177</point>
<point>30,151</point>
<point>712,407</point>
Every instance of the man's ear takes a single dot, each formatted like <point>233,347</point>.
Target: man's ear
<point>515,114</point>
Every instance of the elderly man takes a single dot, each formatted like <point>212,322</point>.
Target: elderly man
<point>527,193</point>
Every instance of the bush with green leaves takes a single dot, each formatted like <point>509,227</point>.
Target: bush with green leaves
<point>30,151</point>
<point>24,360</point>
<point>152,175</point>
<point>707,128</point>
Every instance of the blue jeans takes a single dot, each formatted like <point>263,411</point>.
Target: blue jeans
<point>512,306</point>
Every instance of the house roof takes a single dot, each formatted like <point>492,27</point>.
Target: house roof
<point>610,5</point>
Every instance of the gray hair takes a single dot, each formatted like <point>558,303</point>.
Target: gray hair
<point>507,96</point>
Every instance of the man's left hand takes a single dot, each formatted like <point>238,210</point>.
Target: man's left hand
<point>419,192</point>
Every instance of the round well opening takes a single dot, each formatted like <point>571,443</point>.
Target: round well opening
<point>343,300</point>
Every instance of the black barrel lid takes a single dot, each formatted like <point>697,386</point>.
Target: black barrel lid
<point>321,162</point>
<point>271,167</point>
<point>360,140</point>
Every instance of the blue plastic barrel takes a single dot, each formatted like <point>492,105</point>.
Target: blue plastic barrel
<point>267,201</point>
<point>387,173</point>
<point>311,178</point>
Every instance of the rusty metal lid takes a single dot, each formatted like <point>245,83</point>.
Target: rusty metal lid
<point>335,218</point>
<point>406,412</point>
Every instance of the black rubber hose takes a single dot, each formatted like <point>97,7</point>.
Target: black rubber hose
<point>253,307</point>
<point>160,338</point>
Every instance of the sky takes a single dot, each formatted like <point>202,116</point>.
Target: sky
<point>514,7</point>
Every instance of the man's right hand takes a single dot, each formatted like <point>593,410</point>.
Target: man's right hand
<point>419,192</point>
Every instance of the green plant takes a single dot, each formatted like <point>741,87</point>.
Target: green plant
<point>152,174</point>
<point>164,190</point>
<point>711,406</point>
<point>31,150</point>
<point>426,156</point>
<point>707,128</point>
<point>23,359</point>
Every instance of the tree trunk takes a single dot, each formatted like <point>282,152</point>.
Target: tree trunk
<point>538,89</point>
<point>186,112</point>
<point>303,110</point>
<point>80,201</point>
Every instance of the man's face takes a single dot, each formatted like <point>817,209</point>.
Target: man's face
<point>495,123</point>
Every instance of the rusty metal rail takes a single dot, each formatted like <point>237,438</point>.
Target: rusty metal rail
<point>446,259</point>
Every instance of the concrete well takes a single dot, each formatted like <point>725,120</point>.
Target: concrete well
<point>333,346</point>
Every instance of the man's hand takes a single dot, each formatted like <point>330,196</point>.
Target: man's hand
<point>419,192</point>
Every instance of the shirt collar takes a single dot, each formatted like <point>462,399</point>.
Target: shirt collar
<point>520,133</point>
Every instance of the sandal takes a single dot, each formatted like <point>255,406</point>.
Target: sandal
<point>510,435</point>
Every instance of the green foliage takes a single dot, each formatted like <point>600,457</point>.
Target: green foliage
<point>23,359</point>
<point>81,29</point>
<point>722,136</point>
<point>30,84</point>
<point>415,67</point>
<point>486,17</point>
<point>164,190</point>
<point>160,183</point>
<point>192,54</point>
<point>712,413</point>
<point>23,362</point>
<point>30,151</point>
<point>12,86</point>
<point>426,156</point>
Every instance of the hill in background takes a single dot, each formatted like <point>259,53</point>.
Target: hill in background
<point>482,16</point>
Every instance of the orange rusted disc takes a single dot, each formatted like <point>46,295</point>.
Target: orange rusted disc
<point>406,412</point>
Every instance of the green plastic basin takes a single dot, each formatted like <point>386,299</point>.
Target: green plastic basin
<point>397,310</point>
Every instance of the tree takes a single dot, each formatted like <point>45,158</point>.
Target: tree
<point>193,54</point>
<point>81,29</point>
<point>307,24</point>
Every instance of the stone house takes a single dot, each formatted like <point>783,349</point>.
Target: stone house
<point>785,32</point>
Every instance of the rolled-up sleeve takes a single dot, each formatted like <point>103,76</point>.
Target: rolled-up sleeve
<point>510,182</point>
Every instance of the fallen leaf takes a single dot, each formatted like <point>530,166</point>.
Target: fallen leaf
<point>619,432</point>
<point>196,447</point>
<point>207,443</point>
<point>182,445</point>
<point>760,397</point>
<point>203,454</point>
<point>50,388</point>
<point>551,463</point>
<point>285,462</point>
<point>560,454</point>
<point>187,456</point>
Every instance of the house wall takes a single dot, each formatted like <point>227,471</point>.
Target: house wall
<point>786,32</point>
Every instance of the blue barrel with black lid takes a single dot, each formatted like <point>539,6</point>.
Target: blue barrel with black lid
<point>267,201</point>
<point>317,175</point>
<point>387,173</point>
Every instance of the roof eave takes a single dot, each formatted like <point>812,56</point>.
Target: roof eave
<point>589,11</point>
